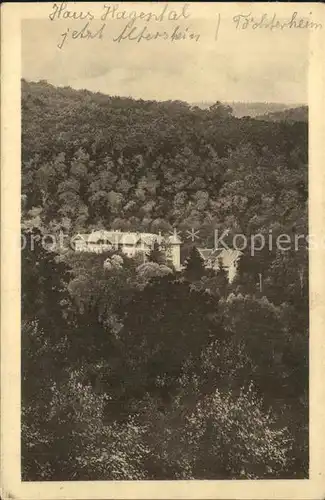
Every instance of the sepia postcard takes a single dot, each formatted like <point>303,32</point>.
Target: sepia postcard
<point>162,250</point>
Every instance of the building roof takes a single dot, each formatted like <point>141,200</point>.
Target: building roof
<point>148,238</point>
<point>80,237</point>
<point>205,252</point>
<point>227,256</point>
<point>128,238</point>
<point>107,236</point>
<point>174,239</point>
<point>125,238</point>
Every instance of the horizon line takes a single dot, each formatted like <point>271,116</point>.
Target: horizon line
<point>283,103</point>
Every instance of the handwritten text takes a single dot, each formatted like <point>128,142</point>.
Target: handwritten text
<point>245,21</point>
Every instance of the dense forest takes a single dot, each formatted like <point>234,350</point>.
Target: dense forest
<point>141,371</point>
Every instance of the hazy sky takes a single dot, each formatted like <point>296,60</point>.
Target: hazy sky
<point>247,65</point>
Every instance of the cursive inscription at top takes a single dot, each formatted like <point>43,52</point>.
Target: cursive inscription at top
<point>170,22</point>
<point>247,21</point>
<point>136,33</point>
<point>61,11</point>
<point>167,14</point>
<point>139,25</point>
<point>84,33</point>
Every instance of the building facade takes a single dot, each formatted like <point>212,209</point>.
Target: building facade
<point>228,257</point>
<point>129,243</point>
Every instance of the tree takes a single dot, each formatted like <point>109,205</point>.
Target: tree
<point>215,161</point>
<point>156,255</point>
<point>222,278</point>
<point>46,324</point>
<point>221,110</point>
<point>261,327</point>
<point>287,277</point>
<point>194,268</point>
<point>156,348</point>
<point>94,450</point>
<point>252,271</point>
<point>221,435</point>
<point>148,270</point>
<point>237,438</point>
<point>132,346</point>
<point>45,297</point>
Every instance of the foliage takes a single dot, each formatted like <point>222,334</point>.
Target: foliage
<point>184,321</point>
<point>246,441</point>
<point>68,439</point>
<point>156,254</point>
<point>131,369</point>
<point>194,266</point>
<point>102,161</point>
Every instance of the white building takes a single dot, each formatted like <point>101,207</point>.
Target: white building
<point>129,243</point>
<point>228,257</point>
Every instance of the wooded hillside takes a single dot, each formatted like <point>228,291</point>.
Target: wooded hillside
<point>91,160</point>
<point>136,370</point>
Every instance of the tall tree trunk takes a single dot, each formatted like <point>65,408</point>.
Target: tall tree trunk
<point>260,282</point>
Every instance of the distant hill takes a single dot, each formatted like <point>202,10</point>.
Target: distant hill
<point>255,109</point>
<point>92,161</point>
<point>299,114</point>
